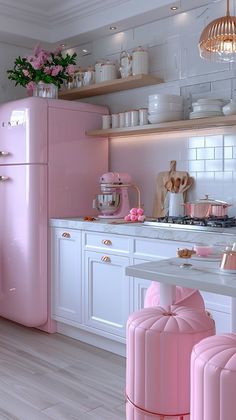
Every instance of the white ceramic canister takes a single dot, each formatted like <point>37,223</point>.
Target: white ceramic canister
<point>176,201</point>
<point>134,117</point>
<point>108,71</point>
<point>121,119</point>
<point>106,122</point>
<point>115,120</point>
<point>140,61</point>
<point>89,77</point>
<point>143,116</point>
<point>98,70</point>
<point>127,119</point>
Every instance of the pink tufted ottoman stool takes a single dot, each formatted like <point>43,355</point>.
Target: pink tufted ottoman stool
<point>159,346</point>
<point>213,378</point>
<point>184,296</point>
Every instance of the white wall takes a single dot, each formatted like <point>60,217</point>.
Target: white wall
<point>173,52</point>
<point>8,53</point>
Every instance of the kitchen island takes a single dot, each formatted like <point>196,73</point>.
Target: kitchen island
<point>203,274</point>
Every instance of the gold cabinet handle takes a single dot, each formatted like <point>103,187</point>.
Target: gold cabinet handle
<point>106,242</point>
<point>4,178</point>
<point>2,153</point>
<point>105,258</point>
<point>65,235</point>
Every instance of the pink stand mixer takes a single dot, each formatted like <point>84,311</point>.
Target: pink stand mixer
<point>113,202</point>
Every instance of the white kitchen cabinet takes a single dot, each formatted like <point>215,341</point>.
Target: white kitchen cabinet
<point>107,292</point>
<point>66,275</point>
<point>148,250</point>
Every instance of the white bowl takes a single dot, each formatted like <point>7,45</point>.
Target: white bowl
<point>165,106</point>
<point>204,114</point>
<point>161,97</point>
<point>165,117</point>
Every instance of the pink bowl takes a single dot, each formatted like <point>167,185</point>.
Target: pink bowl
<point>203,250</point>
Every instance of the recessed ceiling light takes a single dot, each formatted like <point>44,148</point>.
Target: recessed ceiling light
<point>113,28</point>
<point>174,8</point>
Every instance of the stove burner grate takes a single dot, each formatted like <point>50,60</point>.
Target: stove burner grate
<point>217,222</point>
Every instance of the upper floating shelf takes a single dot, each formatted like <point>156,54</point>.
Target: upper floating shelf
<point>117,85</point>
<point>173,126</point>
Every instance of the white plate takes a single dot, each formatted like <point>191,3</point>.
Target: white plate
<point>194,115</point>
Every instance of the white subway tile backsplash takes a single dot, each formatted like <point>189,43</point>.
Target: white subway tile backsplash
<point>206,175</point>
<point>228,152</point>
<point>206,153</point>
<point>192,154</point>
<point>195,142</point>
<point>219,153</point>
<point>214,141</point>
<point>223,176</point>
<point>230,165</point>
<point>196,166</point>
<point>214,165</point>
<point>230,140</point>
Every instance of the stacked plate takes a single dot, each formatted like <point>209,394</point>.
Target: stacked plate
<point>164,108</point>
<point>206,108</point>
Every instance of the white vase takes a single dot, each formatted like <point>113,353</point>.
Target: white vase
<point>45,90</point>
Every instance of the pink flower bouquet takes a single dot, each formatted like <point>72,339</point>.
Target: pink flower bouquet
<point>42,66</point>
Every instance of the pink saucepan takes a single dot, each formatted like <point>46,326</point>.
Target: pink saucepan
<point>206,207</point>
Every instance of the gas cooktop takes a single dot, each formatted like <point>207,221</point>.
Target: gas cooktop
<point>209,223</point>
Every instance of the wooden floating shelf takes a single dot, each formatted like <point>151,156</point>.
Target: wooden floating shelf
<point>167,127</point>
<point>117,85</point>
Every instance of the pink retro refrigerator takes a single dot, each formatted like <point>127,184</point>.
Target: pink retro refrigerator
<point>48,168</point>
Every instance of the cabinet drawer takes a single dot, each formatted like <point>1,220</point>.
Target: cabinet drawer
<point>95,241</point>
<point>156,248</point>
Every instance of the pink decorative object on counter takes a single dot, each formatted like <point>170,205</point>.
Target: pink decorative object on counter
<point>135,215</point>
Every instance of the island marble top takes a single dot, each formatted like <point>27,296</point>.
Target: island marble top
<point>205,274</point>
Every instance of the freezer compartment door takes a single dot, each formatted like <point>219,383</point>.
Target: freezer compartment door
<point>23,131</point>
<point>23,244</point>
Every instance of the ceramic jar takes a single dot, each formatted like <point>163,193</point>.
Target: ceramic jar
<point>98,70</point>
<point>108,71</point>
<point>230,108</point>
<point>140,61</point>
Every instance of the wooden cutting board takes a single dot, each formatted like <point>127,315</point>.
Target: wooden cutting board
<point>162,183</point>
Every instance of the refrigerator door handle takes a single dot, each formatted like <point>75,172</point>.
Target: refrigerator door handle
<point>4,178</point>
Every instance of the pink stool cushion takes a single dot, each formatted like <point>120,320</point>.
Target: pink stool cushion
<point>159,346</point>
<point>184,296</point>
<point>213,379</point>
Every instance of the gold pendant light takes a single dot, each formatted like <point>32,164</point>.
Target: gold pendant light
<point>218,39</point>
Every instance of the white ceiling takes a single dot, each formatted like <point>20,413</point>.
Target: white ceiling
<point>24,22</point>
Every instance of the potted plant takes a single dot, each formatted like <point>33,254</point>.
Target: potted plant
<point>43,72</point>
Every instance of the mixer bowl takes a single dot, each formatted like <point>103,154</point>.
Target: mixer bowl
<point>107,203</point>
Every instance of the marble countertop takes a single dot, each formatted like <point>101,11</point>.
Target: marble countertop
<point>204,274</point>
<point>220,236</point>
